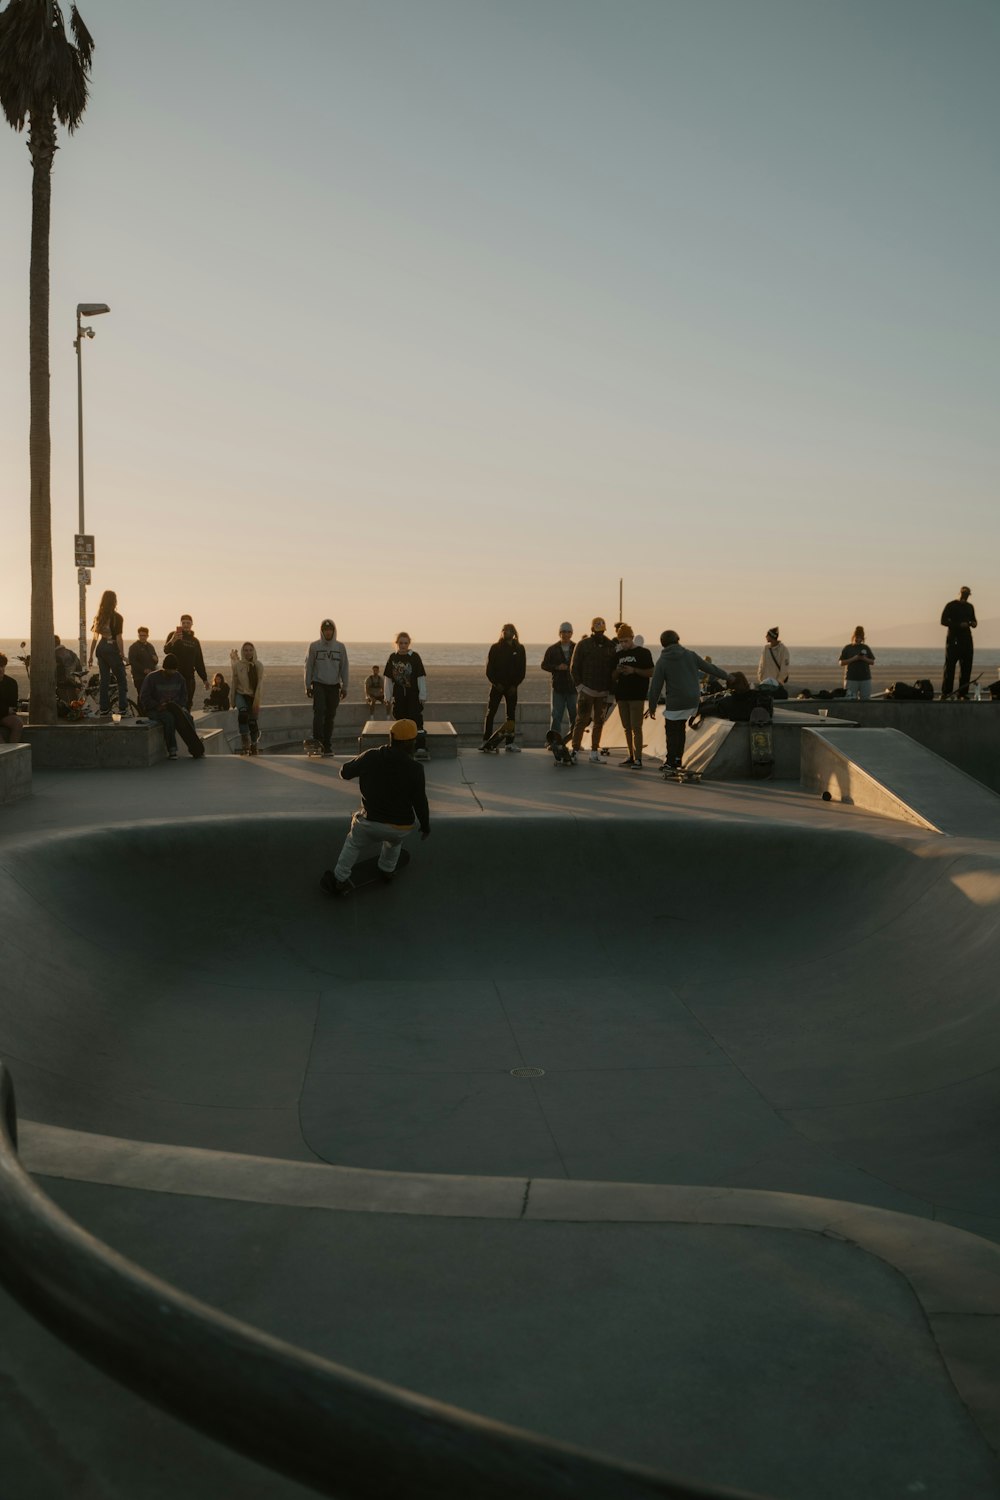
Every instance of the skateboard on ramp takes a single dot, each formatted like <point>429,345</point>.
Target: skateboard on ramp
<point>761,744</point>
<point>505,732</point>
<point>313,749</point>
<point>365,872</point>
<point>561,748</point>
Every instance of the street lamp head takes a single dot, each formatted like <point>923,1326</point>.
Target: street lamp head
<point>91,309</point>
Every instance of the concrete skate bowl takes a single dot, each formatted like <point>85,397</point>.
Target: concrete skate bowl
<point>731,1005</point>
<point>702,1002</point>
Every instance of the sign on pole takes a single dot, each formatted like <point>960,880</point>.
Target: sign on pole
<point>84,551</point>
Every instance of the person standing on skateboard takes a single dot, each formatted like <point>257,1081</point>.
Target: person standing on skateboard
<point>505,667</point>
<point>393,800</point>
<point>677,674</point>
<point>406,688</point>
<point>327,670</point>
<point>959,619</point>
<point>593,662</point>
<point>556,662</point>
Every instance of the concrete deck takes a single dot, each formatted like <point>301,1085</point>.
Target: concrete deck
<point>721,1231</point>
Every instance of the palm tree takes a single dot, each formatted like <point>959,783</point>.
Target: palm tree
<point>43,79</point>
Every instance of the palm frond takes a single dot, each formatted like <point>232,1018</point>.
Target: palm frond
<point>41,71</point>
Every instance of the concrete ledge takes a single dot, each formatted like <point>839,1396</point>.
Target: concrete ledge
<point>95,747</point>
<point>15,772</point>
<point>287,725</point>
<point>442,741</point>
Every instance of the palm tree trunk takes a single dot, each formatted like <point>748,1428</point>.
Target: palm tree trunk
<point>42,145</point>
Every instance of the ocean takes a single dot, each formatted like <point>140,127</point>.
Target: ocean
<point>473,653</point>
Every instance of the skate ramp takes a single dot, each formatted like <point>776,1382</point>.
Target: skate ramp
<point>753,1005</point>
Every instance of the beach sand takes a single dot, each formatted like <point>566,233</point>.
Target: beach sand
<point>469,685</point>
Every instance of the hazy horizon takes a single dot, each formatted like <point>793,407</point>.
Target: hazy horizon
<point>431,315</point>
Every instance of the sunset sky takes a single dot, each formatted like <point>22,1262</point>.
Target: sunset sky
<point>447,312</point>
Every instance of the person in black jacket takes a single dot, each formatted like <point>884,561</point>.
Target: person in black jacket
<point>393,798</point>
<point>556,662</point>
<point>959,619</point>
<point>505,668</point>
<point>185,645</point>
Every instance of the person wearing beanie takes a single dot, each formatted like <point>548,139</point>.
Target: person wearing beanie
<point>556,662</point>
<point>393,800</point>
<point>326,682</point>
<point>406,688</point>
<point>632,670</point>
<point>774,659</point>
<point>677,674</point>
<point>163,698</point>
<point>506,665</point>
<point>591,668</point>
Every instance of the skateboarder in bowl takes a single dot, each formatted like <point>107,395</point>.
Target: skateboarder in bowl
<point>393,799</point>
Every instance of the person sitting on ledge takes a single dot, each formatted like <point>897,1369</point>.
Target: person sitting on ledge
<point>218,697</point>
<point>164,698</point>
<point>10,723</point>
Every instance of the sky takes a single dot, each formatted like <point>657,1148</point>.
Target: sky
<point>433,314</point>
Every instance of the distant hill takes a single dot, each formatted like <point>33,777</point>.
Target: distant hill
<point>987,635</point>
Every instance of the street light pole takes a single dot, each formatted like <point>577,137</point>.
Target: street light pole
<point>83,310</point>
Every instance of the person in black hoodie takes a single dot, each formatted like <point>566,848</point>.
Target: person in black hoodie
<point>186,647</point>
<point>505,668</point>
<point>393,798</point>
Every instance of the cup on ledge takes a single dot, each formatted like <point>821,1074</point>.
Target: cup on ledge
<point>824,713</point>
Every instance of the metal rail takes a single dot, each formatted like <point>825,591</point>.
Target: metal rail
<point>326,1426</point>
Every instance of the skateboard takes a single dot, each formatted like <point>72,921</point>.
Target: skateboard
<point>562,751</point>
<point>505,732</point>
<point>365,872</point>
<point>680,774</point>
<point>761,744</point>
<point>313,749</point>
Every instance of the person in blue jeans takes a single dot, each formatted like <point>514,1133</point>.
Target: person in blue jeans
<point>556,662</point>
<point>107,642</point>
<point>164,698</point>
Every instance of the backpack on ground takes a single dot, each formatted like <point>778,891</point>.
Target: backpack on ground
<point>904,692</point>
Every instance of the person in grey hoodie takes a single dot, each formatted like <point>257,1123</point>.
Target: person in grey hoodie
<point>677,673</point>
<point>326,682</point>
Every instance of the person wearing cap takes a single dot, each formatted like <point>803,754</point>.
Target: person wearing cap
<point>591,668</point>
<point>326,682</point>
<point>677,675</point>
<point>632,670</point>
<point>959,619</point>
<point>556,662</point>
<point>163,698</point>
<point>393,800</point>
<point>774,659</point>
<point>506,665</point>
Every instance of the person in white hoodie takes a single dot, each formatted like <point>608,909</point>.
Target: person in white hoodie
<point>774,659</point>
<point>326,682</point>
<point>248,678</point>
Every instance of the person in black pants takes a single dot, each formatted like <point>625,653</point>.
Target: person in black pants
<point>959,619</point>
<point>505,668</point>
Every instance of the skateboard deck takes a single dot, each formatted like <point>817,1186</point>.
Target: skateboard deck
<point>680,774</point>
<point>761,744</point>
<point>562,750</point>
<point>365,872</point>
<point>313,749</point>
<point>505,732</point>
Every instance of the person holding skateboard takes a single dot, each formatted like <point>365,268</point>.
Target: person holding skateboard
<point>327,670</point>
<point>393,800</point>
<point>677,675</point>
<point>406,688</point>
<point>505,667</point>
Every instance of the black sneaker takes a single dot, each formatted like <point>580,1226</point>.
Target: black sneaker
<point>386,876</point>
<point>630,762</point>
